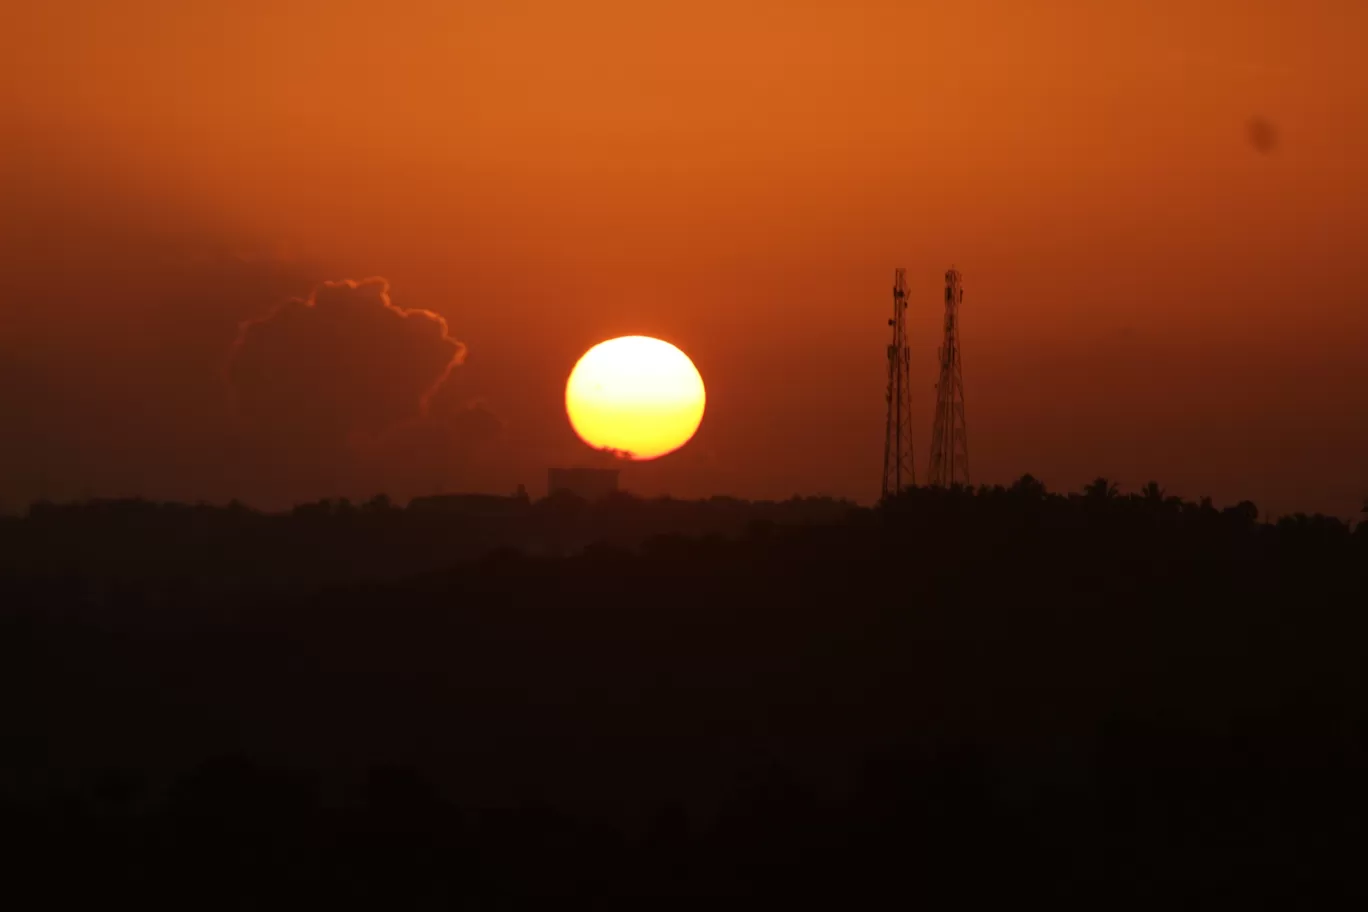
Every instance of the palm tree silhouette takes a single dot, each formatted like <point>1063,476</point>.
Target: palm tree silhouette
<point>1029,487</point>
<point>1101,489</point>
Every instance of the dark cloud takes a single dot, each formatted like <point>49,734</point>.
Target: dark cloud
<point>344,364</point>
<point>120,304</point>
<point>431,454</point>
<point>126,307</point>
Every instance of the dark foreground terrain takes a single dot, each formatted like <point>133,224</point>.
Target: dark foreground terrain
<point>958,698</point>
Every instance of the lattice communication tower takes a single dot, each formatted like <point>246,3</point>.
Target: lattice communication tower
<point>949,437</point>
<point>898,470</point>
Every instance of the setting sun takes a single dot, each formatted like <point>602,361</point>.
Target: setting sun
<point>636,396</point>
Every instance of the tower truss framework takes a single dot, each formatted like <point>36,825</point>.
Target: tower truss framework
<point>949,435</point>
<point>898,467</point>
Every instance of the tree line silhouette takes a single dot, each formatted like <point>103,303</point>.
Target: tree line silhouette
<point>958,696</point>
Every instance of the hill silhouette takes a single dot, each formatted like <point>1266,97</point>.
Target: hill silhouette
<point>959,696</point>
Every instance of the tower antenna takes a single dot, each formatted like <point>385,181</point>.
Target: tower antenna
<point>949,436</point>
<point>898,470</point>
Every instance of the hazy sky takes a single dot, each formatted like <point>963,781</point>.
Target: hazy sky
<point>1148,292</point>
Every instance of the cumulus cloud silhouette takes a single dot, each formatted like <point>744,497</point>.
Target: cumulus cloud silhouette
<point>126,367</point>
<point>343,364</point>
<point>431,454</point>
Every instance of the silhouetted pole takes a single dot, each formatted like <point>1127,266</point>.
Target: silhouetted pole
<point>949,436</point>
<point>898,471</point>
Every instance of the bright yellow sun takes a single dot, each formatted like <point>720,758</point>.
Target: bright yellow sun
<point>637,396</point>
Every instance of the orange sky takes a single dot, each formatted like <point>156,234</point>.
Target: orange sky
<point>1146,294</point>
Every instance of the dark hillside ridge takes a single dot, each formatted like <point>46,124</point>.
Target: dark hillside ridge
<point>960,696</point>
